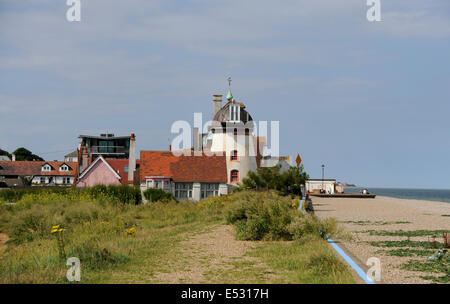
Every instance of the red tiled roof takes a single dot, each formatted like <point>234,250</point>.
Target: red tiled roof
<point>119,166</point>
<point>212,169</point>
<point>32,168</point>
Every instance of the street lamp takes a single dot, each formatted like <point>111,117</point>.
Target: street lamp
<point>323,170</point>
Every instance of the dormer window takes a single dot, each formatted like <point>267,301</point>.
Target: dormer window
<point>64,168</point>
<point>46,168</point>
<point>235,112</point>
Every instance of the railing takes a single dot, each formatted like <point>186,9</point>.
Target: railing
<point>108,149</point>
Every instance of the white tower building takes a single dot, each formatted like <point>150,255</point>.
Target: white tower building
<point>232,134</point>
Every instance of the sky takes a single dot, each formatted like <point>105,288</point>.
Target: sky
<point>369,100</point>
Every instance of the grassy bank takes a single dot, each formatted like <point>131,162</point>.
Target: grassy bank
<point>100,233</point>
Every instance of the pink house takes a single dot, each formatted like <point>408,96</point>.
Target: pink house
<point>105,172</point>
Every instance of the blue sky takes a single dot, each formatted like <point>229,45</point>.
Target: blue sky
<point>370,100</point>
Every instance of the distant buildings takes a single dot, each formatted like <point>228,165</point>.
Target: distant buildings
<point>71,157</point>
<point>37,173</point>
<point>220,159</point>
<point>316,185</point>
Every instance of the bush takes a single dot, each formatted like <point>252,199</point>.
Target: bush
<point>155,195</point>
<point>93,256</point>
<point>310,226</point>
<point>325,265</point>
<point>261,216</point>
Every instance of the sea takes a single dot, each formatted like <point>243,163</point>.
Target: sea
<point>437,195</point>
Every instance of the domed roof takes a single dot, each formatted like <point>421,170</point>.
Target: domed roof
<point>223,115</point>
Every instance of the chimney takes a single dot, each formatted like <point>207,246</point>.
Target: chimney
<point>196,140</point>
<point>217,105</point>
<point>13,157</point>
<point>84,159</point>
<point>132,159</point>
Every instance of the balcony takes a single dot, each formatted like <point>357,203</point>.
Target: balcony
<point>108,150</point>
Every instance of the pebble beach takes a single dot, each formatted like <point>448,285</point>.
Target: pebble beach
<point>385,214</point>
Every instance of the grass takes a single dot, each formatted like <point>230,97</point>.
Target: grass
<point>376,223</point>
<point>300,262</point>
<point>411,233</point>
<point>404,243</point>
<point>406,252</point>
<point>95,231</point>
<point>445,215</point>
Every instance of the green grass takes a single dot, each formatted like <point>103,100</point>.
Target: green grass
<point>445,215</point>
<point>308,262</point>
<point>95,231</point>
<point>411,233</point>
<point>376,223</point>
<point>404,243</point>
<point>406,252</point>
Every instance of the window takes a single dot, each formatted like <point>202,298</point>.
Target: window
<point>46,168</point>
<point>234,176</point>
<point>66,180</point>
<point>125,169</point>
<point>234,112</point>
<point>64,168</point>
<point>235,132</point>
<point>208,190</point>
<point>183,190</point>
<point>42,180</point>
<point>234,155</point>
<point>247,132</point>
<point>157,184</point>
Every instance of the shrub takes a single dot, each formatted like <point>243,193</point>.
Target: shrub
<point>261,216</point>
<point>93,256</point>
<point>325,264</point>
<point>310,226</point>
<point>155,195</point>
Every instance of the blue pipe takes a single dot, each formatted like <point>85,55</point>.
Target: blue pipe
<point>341,252</point>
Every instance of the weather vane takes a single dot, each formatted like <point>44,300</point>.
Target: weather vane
<point>229,81</point>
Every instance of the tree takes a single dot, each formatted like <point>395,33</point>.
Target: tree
<point>288,182</point>
<point>3,152</point>
<point>24,154</point>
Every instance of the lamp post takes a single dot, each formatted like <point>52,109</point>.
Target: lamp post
<point>323,170</point>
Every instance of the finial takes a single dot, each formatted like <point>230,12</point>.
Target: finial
<point>229,95</point>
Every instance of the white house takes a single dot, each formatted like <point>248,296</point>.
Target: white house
<point>316,185</point>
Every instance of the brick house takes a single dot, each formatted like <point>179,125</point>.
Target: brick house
<point>186,177</point>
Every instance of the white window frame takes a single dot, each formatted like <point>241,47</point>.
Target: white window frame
<point>235,112</point>
<point>64,168</point>
<point>46,168</point>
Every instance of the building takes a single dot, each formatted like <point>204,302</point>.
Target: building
<point>37,173</point>
<point>55,173</point>
<point>316,185</point>
<point>4,158</point>
<point>105,145</point>
<point>107,172</point>
<point>232,135</point>
<point>110,148</point>
<point>71,157</point>
<point>186,177</point>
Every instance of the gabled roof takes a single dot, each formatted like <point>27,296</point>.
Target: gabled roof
<point>211,169</point>
<point>55,169</point>
<point>32,168</point>
<point>100,158</point>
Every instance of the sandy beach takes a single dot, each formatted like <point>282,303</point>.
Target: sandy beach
<point>359,216</point>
